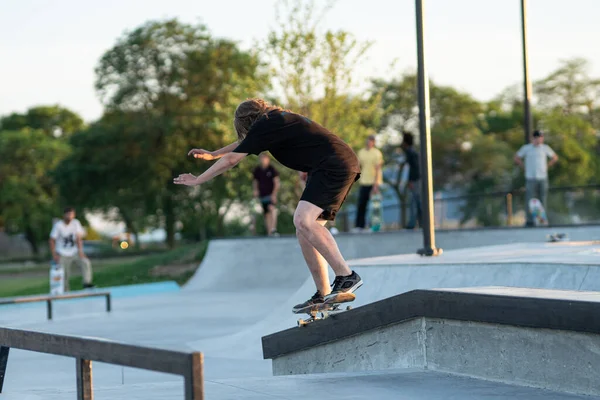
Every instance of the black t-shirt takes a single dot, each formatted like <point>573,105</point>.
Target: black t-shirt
<point>299,143</point>
<point>266,180</point>
<point>412,158</point>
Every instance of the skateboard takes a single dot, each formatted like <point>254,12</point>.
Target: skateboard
<point>57,279</point>
<point>327,309</point>
<point>536,208</point>
<point>558,237</point>
<point>376,217</point>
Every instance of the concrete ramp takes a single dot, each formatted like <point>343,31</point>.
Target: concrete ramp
<point>566,266</point>
<point>244,264</point>
<point>520,265</point>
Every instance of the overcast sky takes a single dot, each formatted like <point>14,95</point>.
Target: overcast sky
<point>49,48</point>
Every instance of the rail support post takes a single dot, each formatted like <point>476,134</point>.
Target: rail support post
<point>3,361</point>
<point>194,380</point>
<point>84,379</point>
<point>49,306</point>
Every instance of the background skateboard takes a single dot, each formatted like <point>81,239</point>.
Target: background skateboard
<point>376,212</point>
<point>536,208</point>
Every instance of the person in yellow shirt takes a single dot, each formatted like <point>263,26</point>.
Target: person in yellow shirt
<point>371,162</point>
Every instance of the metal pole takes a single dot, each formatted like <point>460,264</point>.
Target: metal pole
<point>429,248</point>
<point>528,121</point>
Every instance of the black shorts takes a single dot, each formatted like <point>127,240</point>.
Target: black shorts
<point>328,190</point>
<point>265,201</point>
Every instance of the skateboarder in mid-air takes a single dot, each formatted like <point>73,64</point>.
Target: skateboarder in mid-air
<point>302,145</point>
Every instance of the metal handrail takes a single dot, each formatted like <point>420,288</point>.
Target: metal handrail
<point>50,298</point>
<point>85,350</point>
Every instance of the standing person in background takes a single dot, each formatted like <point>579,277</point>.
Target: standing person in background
<point>534,158</point>
<point>414,180</point>
<point>371,162</point>
<point>265,186</point>
<point>66,245</point>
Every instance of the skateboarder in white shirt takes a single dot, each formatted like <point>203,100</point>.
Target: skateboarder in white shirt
<point>66,245</point>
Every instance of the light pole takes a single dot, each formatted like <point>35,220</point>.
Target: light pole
<point>429,248</point>
<point>528,122</point>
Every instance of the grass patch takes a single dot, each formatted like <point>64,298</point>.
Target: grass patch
<point>124,272</point>
<point>42,268</point>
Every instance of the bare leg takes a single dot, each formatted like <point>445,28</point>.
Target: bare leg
<point>305,220</point>
<point>273,218</point>
<point>270,219</point>
<point>267,222</point>
<point>316,264</point>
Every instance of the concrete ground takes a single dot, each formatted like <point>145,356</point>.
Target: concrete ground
<point>388,385</point>
<point>245,289</point>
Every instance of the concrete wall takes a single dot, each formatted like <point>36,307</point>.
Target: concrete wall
<point>543,358</point>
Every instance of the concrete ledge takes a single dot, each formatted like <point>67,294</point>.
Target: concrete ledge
<point>534,308</point>
<point>542,358</point>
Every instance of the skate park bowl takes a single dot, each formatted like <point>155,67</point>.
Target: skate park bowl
<point>245,288</point>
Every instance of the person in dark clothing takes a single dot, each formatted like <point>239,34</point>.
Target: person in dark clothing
<point>414,180</point>
<point>302,145</point>
<point>265,186</point>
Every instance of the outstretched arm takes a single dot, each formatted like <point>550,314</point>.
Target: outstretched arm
<point>213,155</point>
<point>227,162</point>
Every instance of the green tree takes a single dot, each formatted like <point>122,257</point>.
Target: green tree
<point>185,85</point>
<point>314,74</point>
<point>575,141</point>
<point>106,171</point>
<point>28,196</point>
<point>54,121</point>
<point>570,88</point>
<point>314,71</point>
<point>457,124</point>
<point>465,155</point>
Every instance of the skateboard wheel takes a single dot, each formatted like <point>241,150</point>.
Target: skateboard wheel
<point>348,308</point>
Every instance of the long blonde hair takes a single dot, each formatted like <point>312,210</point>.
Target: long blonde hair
<point>248,112</point>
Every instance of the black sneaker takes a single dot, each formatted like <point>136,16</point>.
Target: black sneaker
<point>89,286</point>
<point>344,284</point>
<point>317,299</point>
